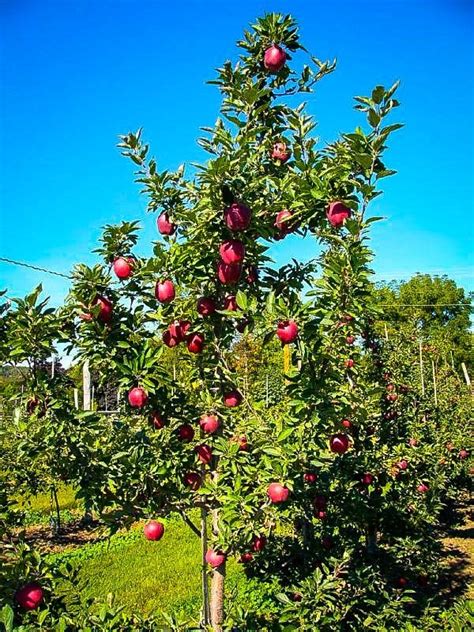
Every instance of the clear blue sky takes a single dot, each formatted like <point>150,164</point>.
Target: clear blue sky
<point>74,75</point>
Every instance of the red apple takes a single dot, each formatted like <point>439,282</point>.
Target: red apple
<point>392,397</point>
<point>137,397</point>
<point>154,530</point>
<point>169,340</point>
<point>339,443</point>
<point>195,342</point>
<point>232,399</point>
<point>401,582</point>
<point>232,251</point>
<point>346,423</point>
<point>209,423</point>
<point>245,558</point>
<point>463,454</point>
<point>413,442</point>
<point>296,596</point>
<point>230,303</point>
<point>215,558</point>
<point>156,420</point>
<point>228,273</point>
<point>274,58</point>
<point>280,152</point>
<point>320,502</point>
<point>176,331</point>
<point>350,340</point>
<point>206,306</point>
<point>277,493</point>
<point>165,227</point>
<point>287,331</point>
<point>423,488</point>
<point>310,477</point>
<point>402,465</point>
<point>320,513</point>
<point>237,216</point>
<point>390,387</point>
<point>123,267</point>
<point>367,478</point>
<point>186,432</point>
<point>349,363</point>
<point>106,309</point>
<point>337,213</point>
<point>243,443</point>
<point>259,543</point>
<point>204,453</point>
<point>284,223</point>
<point>164,291</point>
<point>30,596</point>
<point>327,542</point>
<point>192,480</point>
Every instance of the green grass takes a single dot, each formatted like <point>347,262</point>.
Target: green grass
<point>145,577</point>
<point>42,502</point>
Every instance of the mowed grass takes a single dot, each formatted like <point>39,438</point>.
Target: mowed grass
<point>42,502</point>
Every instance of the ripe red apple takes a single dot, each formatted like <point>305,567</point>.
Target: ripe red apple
<point>413,442</point>
<point>243,443</point>
<point>232,251</point>
<point>204,453</point>
<point>402,465</point>
<point>337,213</point>
<point>242,325</point>
<point>450,446</point>
<point>176,331</point>
<point>252,275</point>
<point>346,423</point>
<point>154,530</point>
<point>245,558</point>
<point>463,454</point>
<point>327,542</point>
<point>237,216</point>
<point>339,443</point>
<point>367,478</point>
<point>284,223</point>
<point>206,306</point>
<point>310,477</point>
<point>280,152</point>
<point>165,227</point>
<point>123,267</point>
<point>287,331</point>
<point>30,596</point>
<point>230,303</point>
<point>401,582</point>
<point>350,340</point>
<point>195,342</point>
<point>215,558</point>
<point>169,340</point>
<point>137,397</point>
<point>423,488</point>
<point>192,480</point>
<point>106,309</point>
<point>390,387</point>
<point>228,273</point>
<point>320,513</point>
<point>349,363</point>
<point>392,397</point>
<point>164,291</point>
<point>186,432</point>
<point>274,58</point>
<point>209,423</point>
<point>277,493</point>
<point>156,420</point>
<point>232,399</point>
<point>320,502</point>
<point>259,543</point>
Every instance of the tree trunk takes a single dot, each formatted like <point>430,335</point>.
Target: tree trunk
<point>371,540</point>
<point>206,618</point>
<point>217,586</point>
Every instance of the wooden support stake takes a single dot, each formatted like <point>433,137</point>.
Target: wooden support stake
<point>421,371</point>
<point>466,374</point>
<point>434,382</point>
<point>86,386</point>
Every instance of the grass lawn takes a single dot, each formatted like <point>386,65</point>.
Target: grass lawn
<point>42,502</point>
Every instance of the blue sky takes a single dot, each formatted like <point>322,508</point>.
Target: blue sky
<point>74,75</point>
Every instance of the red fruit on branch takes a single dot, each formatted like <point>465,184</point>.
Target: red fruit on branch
<point>206,306</point>
<point>401,582</point>
<point>192,480</point>
<point>367,478</point>
<point>123,267</point>
<point>296,596</point>
<point>423,488</point>
<point>392,397</point>
<point>320,513</point>
<point>274,58</point>
<point>390,387</point>
<point>349,363</point>
<point>237,216</point>
<point>137,397</point>
<point>463,454</point>
<point>259,543</point>
<point>154,530</point>
<point>29,596</point>
<point>350,340</point>
<point>165,226</point>
<point>106,309</point>
<point>204,453</point>
<point>339,443</point>
<point>209,423</point>
<point>337,213</point>
<point>287,331</point>
<point>230,303</point>
<point>232,399</point>
<point>320,502</point>
<point>277,493</point>
<point>243,443</point>
<point>280,152</point>
<point>310,477</point>
<point>156,420</point>
<point>346,423</point>
<point>284,222</point>
<point>169,340</point>
<point>164,291</point>
<point>327,542</point>
<point>195,342</point>
<point>228,273</point>
<point>232,251</point>
<point>402,465</point>
<point>413,442</point>
<point>245,558</point>
<point>215,558</point>
<point>186,432</point>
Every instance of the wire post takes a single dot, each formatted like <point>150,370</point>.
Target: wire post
<point>421,370</point>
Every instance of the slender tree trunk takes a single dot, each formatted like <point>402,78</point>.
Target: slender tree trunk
<point>371,539</point>
<point>206,618</point>
<point>217,586</point>
<point>57,519</point>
